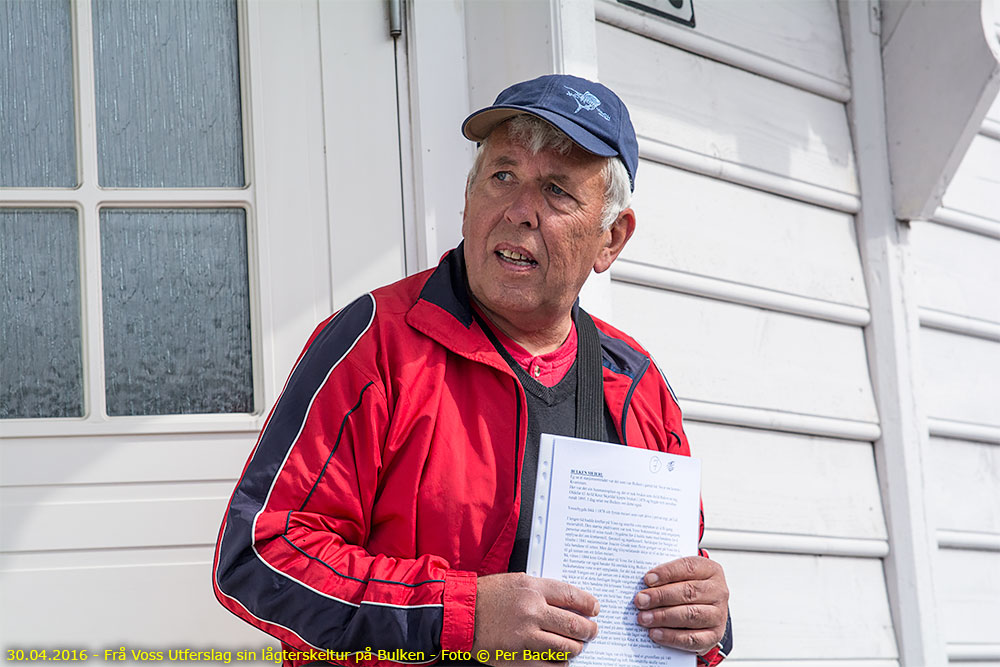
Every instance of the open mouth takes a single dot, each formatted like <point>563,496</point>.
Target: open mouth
<point>516,258</point>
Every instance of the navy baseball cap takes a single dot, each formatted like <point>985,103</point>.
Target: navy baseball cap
<point>589,113</point>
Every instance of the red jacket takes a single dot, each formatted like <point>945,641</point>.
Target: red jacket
<point>387,476</point>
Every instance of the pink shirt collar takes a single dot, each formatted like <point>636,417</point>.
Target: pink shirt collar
<point>548,368</point>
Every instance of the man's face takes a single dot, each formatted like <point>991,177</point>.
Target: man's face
<point>532,230</point>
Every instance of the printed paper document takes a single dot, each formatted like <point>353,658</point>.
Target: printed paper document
<point>603,516</point>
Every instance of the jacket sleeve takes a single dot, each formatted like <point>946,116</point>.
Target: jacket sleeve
<point>721,650</point>
<point>290,558</point>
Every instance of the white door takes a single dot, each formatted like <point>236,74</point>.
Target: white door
<point>194,184</point>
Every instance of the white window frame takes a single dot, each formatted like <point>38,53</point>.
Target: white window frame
<point>88,198</point>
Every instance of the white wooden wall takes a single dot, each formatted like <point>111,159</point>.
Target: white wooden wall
<point>745,281</point>
<point>957,257</point>
<point>109,524</point>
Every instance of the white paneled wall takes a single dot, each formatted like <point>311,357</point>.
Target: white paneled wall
<point>833,492</point>
<point>744,280</point>
<point>801,607</point>
<point>107,541</point>
<point>719,111</point>
<point>137,598</point>
<point>961,375</point>
<point>976,186</point>
<point>957,271</point>
<point>964,477</point>
<point>790,32</point>
<point>108,524</point>
<point>969,595</point>
<point>720,352</point>
<point>957,257</point>
<point>698,224</point>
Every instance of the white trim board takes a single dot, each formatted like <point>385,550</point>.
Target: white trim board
<point>890,341</point>
<point>966,539</point>
<point>818,545</point>
<point>635,273</point>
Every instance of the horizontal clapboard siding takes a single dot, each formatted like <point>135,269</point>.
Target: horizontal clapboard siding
<point>957,260</point>
<point>968,591</point>
<point>120,529</point>
<point>936,319</point>
<point>628,271</point>
<point>736,415</point>
<point>124,458</point>
<point>112,516</point>
<point>960,375</point>
<point>963,483</point>
<point>798,607</point>
<point>957,271</point>
<point>787,43</point>
<point>833,492</point>
<point>975,188</point>
<point>745,281</point>
<point>682,100</point>
<point>736,355</point>
<point>750,176</point>
<point>703,226</point>
<point>967,221</point>
<point>139,598</point>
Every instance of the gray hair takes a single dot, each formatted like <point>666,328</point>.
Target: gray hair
<point>536,135</point>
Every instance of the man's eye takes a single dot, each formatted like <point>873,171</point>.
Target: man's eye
<point>556,190</point>
<point>502,176</point>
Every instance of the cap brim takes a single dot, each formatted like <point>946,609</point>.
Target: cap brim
<point>479,125</point>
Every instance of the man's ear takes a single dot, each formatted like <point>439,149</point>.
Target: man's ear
<point>618,235</point>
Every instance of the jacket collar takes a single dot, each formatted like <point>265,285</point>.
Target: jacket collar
<point>444,312</point>
<point>448,289</point>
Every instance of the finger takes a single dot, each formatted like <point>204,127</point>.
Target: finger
<point>568,624</point>
<point>699,591</point>
<point>560,594</point>
<point>550,641</point>
<point>697,641</point>
<point>683,569</point>
<point>693,617</point>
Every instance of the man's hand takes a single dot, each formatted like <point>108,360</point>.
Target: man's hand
<point>515,612</point>
<point>686,604</point>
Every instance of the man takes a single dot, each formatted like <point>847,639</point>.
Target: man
<point>386,505</point>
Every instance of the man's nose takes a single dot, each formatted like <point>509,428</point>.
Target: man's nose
<point>525,206</point>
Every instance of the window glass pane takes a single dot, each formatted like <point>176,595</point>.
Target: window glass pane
<point>41,366</point>
<point>168,93</point>
<point>37,132</point>
<point>176,311</point>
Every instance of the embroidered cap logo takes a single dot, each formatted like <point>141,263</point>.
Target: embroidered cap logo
<point>587,101</point>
